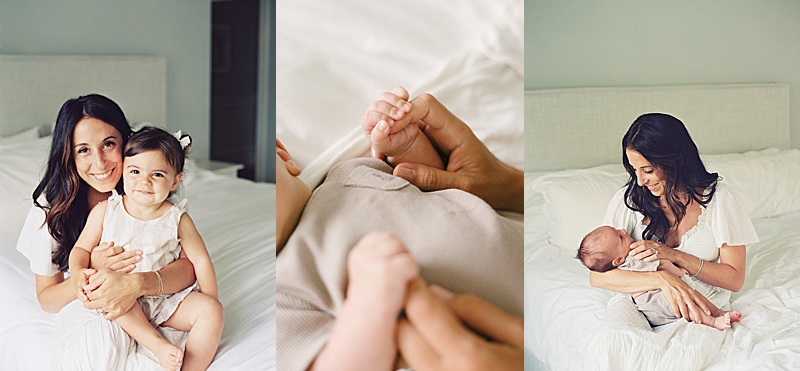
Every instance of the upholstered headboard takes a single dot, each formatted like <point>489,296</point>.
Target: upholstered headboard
<point>583,127</point>
<point>33,87</point>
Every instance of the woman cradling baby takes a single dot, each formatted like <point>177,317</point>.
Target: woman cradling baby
<point>84,166</point>
<point>678,211</point>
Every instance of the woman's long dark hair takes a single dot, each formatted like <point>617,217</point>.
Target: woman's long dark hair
<point>664,141</point>
<point>66,193</point>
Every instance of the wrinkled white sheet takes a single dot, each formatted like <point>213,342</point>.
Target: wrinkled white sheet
<point>468,54</point>
<point>235,217</point>
<point>572,326</point>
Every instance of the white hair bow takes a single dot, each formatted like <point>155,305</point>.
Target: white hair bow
<point>185,141</point>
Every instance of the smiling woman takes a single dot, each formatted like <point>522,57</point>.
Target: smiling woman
<point>98,159</point>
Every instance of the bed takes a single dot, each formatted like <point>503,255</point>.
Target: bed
<point>573,168</point>
<point>468,55</point>
<point>234,216</point>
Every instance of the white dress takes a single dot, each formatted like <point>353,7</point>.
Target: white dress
<point>723,221</point>
<point>158,240</point>
<point>88,341</point>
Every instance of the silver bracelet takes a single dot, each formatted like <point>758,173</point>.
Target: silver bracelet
<point>699,269</point>
<point>160,284</point>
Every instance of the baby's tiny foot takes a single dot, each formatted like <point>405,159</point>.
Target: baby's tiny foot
<point>736,316</point>
<point>722,322</point>
<point>170,357</point>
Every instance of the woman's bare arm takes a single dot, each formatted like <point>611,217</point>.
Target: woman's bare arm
<point>54,292</point>
<point>729,273</point>
<point>685,301</point>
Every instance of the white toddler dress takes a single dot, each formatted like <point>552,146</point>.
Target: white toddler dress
<point>158,240</point>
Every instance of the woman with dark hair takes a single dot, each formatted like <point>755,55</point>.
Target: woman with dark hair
<point>676,210</point>
<point>84,165</point>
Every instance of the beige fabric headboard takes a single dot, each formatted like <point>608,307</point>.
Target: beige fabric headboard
<point>33,87</point>
<point>583,127</point>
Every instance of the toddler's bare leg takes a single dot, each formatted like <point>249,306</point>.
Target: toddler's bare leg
<point>203,317</point>
<point>138,327</point>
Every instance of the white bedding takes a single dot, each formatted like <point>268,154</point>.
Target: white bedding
<point>572,326</point>
<point>236,220</point>
<point>468,54</point>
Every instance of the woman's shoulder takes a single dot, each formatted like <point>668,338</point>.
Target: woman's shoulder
<point>35,241</point>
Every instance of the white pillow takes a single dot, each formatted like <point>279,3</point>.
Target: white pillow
<point>25,136</point>
<point>22,167</point>
<point>575,201</point>
<point>766,181</point>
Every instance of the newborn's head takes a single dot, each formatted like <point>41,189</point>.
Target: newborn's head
<point>604,248</point>
<point>292,194</point>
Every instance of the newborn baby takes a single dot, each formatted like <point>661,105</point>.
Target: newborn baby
<point>606,248</point>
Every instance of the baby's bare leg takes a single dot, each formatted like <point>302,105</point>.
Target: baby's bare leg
<point>203,317</point>
<point>734,315</point>
<point>138,327</point>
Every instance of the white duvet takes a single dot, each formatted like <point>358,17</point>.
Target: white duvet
<point>572,326</point>
<point>468,54</point>
<point>235,217</point>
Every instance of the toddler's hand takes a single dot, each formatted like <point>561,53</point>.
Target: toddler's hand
<point>81,279</point>
<point>380,269</point>
<point>386,125</point>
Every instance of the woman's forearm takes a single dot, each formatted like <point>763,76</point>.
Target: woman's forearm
<point>716,274</point>
<point>626,282</point>
<point>54,292</point>
<point>175,277</point>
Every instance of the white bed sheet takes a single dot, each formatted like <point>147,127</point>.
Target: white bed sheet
<point>565,317</point>
<point>236,220</point>
<point>468,54</point>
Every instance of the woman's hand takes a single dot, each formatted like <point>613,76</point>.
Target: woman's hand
<point>685,301</point>
<point>649,250</point>
<point>433,336</point>
<point>106,255</point>
<point>112,291</point>
<point>470,165</point>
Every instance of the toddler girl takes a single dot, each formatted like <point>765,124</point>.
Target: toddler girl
<point>144,219</point>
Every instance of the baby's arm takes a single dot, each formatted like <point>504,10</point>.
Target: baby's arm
<point>195,249</point>
<point>669,267</point>
<point>391,132</point>
<point>379,271</point>
<point>82,251</point>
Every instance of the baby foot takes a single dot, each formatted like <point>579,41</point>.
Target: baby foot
<point>722,322</point>
<point>735,315</point>
<point>389,126</point>
<point>170,356</point>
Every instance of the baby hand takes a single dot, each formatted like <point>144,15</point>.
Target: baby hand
<point>386,125</point>
<point>81,280</point>
<point>380,269</point>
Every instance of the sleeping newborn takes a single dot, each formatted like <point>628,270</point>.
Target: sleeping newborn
<point>606,248</point>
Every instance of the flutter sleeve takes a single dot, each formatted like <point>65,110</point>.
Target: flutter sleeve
<point>36,243</point>
<point>730,223</point>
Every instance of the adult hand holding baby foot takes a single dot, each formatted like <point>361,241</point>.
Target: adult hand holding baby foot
<point>393,137</point>
<point>469,164</point>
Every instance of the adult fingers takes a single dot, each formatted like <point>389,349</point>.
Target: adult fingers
<point>96,280</point>
<point>427,178</point>
<point>435,322</point>
<point>126,261</point>
<point>414,349</point>
<point>484,317</point>
<point>441,126</point>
